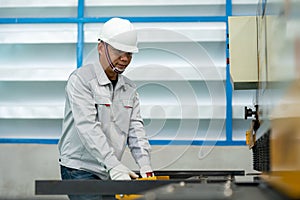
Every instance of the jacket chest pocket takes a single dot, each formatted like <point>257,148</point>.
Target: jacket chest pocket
<point>103,105</point>
<point>123,114</point>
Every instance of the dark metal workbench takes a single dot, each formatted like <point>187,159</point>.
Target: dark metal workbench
<point>182,185</point>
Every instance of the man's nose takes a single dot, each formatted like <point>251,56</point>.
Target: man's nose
<point>125,57</point>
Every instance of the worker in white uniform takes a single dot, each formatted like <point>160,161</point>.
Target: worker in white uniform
<point>102,113</point>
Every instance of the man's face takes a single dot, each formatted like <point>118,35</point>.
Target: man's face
<point>119,59</point>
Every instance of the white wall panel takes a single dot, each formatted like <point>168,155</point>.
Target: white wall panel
<point>180,129</point>
<point>244,7</point>
<point>153,2</point>
<point>37,62</point>
<point>185,60</point>
<point>38,8</point>
<point>32,93</point>
<point>35,74</point>
<point>30,128</point>
<point>168,32</point>
<point>154,8</point>
<point>37,56</point>
<point>38,33</point>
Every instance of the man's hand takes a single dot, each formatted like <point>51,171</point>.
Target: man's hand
<point>146,171</point>
<point>121,172</point>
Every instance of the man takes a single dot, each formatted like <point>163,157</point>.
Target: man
<point>102,112</point>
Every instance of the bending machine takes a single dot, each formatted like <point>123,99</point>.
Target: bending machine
<point>274,134</point>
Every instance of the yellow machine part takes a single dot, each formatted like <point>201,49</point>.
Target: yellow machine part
<point>285,144</point>
<point>128,196</point>
<point>250,138</point>
<point>285,160</point>
<point>285,182</point>
<point>136,196</point>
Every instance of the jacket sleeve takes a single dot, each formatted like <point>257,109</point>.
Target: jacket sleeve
<point>137,140</point>
<point>85,119</point>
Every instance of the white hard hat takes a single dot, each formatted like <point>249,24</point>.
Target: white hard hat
<point>120,34</point>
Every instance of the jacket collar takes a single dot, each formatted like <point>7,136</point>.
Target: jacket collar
<point>103,79</point>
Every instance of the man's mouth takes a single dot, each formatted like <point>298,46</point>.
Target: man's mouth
<point>121,66</point>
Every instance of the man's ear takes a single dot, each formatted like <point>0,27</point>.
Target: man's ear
<point>100,47</point>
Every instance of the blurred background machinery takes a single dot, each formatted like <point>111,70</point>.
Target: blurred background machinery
<point>274,135</point>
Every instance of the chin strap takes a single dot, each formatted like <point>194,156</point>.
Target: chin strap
<point>114,68</point>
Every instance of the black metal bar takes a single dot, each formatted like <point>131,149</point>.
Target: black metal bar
<point>190,173</point>
<point>60,187</point>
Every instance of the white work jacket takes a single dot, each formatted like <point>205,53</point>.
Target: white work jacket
<point>99,121</point>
